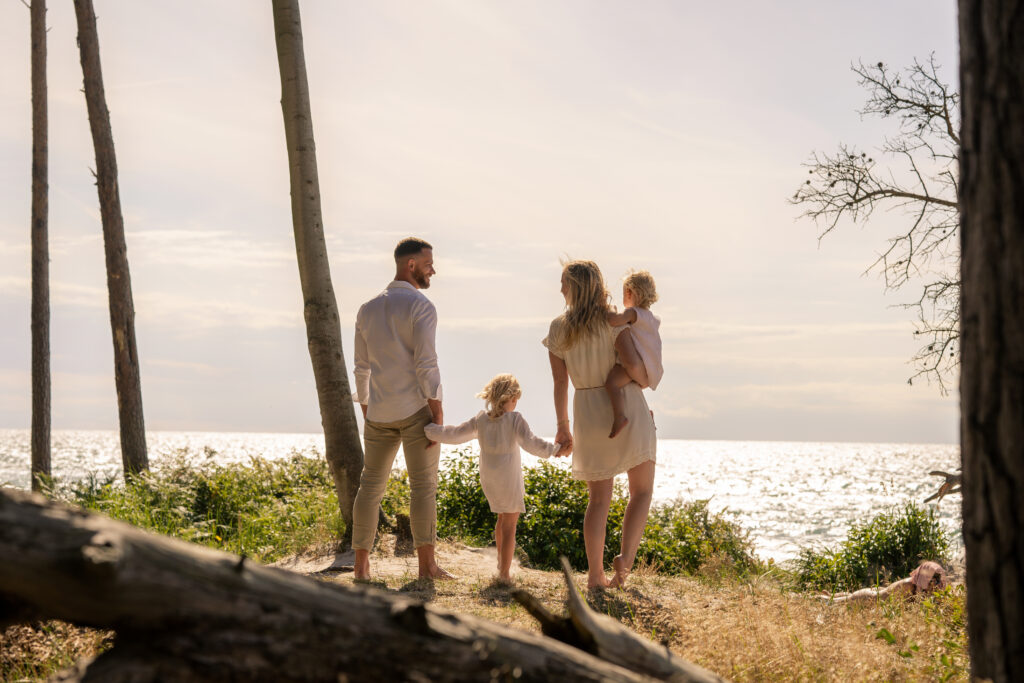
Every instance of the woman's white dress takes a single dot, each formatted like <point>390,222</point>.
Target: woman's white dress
<point>595,456</point>
<point>501,468</point>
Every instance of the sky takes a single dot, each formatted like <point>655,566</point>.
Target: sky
<point>511,135</point>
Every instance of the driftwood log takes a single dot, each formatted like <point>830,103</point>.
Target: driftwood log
<point>183,612</point>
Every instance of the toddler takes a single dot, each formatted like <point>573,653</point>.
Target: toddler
<point>501,432</point>
<point>639,347</point>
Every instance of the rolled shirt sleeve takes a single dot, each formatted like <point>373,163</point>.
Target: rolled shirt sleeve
<point>428,376</point>
<point>551,341</point>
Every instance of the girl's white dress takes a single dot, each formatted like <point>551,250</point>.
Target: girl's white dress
<point>501,469</point>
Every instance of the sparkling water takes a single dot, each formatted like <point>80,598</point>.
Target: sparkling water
<point>789,495</point>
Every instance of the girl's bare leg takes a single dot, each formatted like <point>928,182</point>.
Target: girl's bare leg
<point>505,539</point>
<point>595,522</point>
<point>641,487</point>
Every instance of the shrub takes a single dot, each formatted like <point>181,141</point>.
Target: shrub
<point>680,536</point>
<point>888,546</point>
<point>264,509</point>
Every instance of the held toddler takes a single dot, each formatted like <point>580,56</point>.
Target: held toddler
<point>639,347</point>
<point>500,432</point>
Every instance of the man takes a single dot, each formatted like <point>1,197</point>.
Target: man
<point>398,386</point>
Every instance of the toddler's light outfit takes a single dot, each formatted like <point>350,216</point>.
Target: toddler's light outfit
<point>501,469</point>
<point>647,339</point>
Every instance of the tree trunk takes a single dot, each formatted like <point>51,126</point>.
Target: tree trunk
<point>323,329</point>
<point>183,612</point>
<point>992,304</point>
<point>119,285</point>
<point>40,252</point>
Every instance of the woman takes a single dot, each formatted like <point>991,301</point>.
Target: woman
<point>581,347</point>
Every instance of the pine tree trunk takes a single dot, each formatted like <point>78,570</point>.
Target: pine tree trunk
<point>323,329</point>
<point>992,306</point>
<point>119,286</point>
<point>40,252</point>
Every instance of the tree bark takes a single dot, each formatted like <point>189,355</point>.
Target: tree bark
<point>992,304</point>
<point>40,252</point>
<point>183,612</point>
<point>323,329</point>
<point>119,285</point>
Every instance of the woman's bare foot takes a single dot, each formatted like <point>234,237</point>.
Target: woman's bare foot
<point>505,578</point>
<point>621,573</point>
<point>618,425</point>
<point>597,582</point>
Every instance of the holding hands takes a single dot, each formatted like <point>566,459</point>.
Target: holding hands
<point>564,439</point>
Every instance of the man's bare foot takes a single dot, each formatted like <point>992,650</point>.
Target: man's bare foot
<point>361,566</point>
<point>597,582</point>
<point>621,573</point>
<point>435,573</point>
<point>618,425</point>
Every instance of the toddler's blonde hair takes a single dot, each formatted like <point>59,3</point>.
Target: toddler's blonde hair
<point>641,284</point>
<point>500,390</point>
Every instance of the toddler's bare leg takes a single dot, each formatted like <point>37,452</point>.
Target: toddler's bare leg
<point>630,359</point>
<point>617,378</point>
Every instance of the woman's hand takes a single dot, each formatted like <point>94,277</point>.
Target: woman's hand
<point>564,438</point>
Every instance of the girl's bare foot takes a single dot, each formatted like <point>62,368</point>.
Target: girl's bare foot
<point>621,573</point>
<point>618,425</point>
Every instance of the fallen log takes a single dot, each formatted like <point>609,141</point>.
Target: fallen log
<point>183,612</point>
<point>609,640</point>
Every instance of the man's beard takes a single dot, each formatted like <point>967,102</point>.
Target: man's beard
<point>421,278</point>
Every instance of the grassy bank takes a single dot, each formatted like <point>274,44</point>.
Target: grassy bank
<point>700,588</point>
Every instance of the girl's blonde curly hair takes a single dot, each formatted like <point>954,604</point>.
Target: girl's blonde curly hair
<point>641,284</point>
<point>499,391</point>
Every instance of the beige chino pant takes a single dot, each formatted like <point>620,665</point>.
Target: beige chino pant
<point>380,443</point>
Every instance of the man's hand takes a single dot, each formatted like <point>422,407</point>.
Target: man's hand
<point>363,406</point>
<point>437,413</point>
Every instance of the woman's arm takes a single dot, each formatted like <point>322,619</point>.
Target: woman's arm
<point>452,433</point>
<point>560,376</point>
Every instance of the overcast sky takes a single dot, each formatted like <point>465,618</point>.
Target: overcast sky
<point>647,134</point>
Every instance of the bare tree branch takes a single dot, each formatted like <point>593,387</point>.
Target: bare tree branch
<point>920,179</point>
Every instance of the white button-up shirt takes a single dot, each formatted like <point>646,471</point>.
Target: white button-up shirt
<point>396,359</point>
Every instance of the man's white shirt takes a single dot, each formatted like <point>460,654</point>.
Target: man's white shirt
<point>396,358</point>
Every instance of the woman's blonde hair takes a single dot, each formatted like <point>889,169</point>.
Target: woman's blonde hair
<point>587,303</point>
<point>641,284</point>
<point>499,391</point>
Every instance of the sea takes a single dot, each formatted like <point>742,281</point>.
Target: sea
<point>788,495</point>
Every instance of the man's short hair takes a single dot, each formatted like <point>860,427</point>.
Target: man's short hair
<point>410,246</point>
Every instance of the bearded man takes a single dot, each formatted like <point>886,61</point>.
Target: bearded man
<point>398,386</point>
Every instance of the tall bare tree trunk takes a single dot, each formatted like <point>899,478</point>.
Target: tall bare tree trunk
<point>992,380</point>
<point>119,284</point>
<point>40,252</point>
<point>323,328</point>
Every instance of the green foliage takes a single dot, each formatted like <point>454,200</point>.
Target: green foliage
<point>680,537</point>
<point>946,612</point>
<point>263,509</point>
<point>886,547</point>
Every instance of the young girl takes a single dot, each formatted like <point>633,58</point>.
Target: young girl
<point>501,432</point>
<point>639,347</point>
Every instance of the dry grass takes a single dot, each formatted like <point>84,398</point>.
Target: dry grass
<point>744,630</point>
<point>34,651</point>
